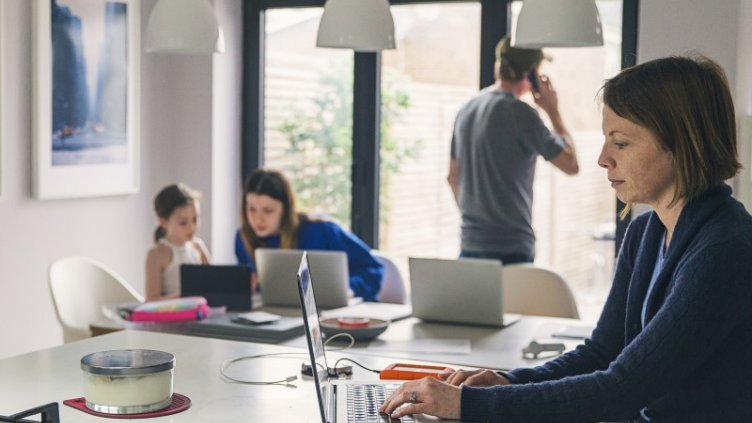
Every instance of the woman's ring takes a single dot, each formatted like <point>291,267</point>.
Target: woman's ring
<point>413,397</point>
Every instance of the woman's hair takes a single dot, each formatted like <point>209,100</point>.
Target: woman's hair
<point>686,103</point>
<point>172,197</point>
<point>273,184</point>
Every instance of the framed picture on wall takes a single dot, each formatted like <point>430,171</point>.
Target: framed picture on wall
<point>86,95</point>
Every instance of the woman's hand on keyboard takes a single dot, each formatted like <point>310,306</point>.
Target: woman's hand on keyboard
<point>482,377</point>
<point>428,396</point>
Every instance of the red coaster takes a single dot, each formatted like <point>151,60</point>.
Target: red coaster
<point>179,403</point>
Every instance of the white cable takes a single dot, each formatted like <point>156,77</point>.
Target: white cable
<point>285,382</point>
<point>337,335</point>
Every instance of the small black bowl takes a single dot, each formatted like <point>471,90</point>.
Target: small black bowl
<point>372,329</point>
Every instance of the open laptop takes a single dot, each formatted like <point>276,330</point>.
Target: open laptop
<point>464,291</point>
<point>277,268</point>
<point>336,396</point>
<point>221,285</point>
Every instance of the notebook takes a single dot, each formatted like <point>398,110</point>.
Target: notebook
<point>221,285</point>
<point>337,396</point>
<point>226,326</point>
<point>464,291</point>
<point>277,268</point>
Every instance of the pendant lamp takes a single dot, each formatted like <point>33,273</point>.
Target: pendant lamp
<point>184,26</point>
<point>361,25</point>
<point>558,23</point>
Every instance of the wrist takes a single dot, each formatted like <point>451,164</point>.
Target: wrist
<point>553,114</point>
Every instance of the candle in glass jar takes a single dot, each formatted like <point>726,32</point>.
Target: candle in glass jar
<point>128,381</point>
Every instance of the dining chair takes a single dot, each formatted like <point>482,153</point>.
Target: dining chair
<point>532,290</point>
<point>393,285</point>
<point>80,286</point>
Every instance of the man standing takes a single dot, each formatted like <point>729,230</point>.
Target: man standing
<point>497,139</point>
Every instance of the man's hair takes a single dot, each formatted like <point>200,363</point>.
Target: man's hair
<point>512,63</point>
<point>685,101</point>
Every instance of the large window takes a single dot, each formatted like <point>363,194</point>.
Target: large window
<point>433,71</point>
<point>299,103</point>
<point>308,112</point>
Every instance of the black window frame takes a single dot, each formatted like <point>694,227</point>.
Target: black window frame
<point>366,98</point>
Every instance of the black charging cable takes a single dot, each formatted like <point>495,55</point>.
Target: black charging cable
<point>336,365</point>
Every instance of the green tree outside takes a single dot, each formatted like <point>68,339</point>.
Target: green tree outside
<point>319,143</point>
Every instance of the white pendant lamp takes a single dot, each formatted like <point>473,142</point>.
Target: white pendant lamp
<point>558,23</point>
<point>361,25</point>
<point>184,26</point>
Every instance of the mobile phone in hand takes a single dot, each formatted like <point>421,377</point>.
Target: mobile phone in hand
<point>532,76</point>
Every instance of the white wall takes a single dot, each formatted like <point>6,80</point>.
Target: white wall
<point>721,31</point>
<point>744,100</point>
<point>178,99</point>
<point>226,115</point>
<point>680,26</point>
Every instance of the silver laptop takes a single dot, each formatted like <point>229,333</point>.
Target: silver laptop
<point>336,396</point>
<point>458,291</point>
<point>277,268</point>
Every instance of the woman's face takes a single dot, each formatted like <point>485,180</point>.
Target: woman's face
<point>264,214</point>
<point>639,168</point>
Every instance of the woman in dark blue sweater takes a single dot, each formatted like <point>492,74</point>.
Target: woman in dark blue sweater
<point>674,340</point>
<point>270,220</point>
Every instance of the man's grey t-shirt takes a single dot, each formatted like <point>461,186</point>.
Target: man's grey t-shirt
<point>496,141</point>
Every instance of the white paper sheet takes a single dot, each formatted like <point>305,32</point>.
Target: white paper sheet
<point>420,346</point>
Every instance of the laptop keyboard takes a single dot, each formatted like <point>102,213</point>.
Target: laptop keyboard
<point>363,402</point>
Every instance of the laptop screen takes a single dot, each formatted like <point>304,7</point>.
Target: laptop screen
<point>313,333</point>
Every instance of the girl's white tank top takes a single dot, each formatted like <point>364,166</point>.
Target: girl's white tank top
<point>185,254</point>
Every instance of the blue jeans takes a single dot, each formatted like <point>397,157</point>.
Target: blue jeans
<point>504,258</point>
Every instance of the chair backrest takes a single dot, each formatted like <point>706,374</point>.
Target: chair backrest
<point>79,287</point>
<point>393,285</point>
<point>528,289</point>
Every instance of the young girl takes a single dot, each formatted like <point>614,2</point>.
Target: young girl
<point>270,220</point>
<point>177,208</point>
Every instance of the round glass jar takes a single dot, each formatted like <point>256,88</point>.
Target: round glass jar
<point>128,381</point>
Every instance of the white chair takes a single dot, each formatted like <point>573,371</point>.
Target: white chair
<point>79,287</point>
<point>528,289</point>
<point>393,286</point>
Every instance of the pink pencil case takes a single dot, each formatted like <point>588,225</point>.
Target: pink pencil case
<point>179,309</point>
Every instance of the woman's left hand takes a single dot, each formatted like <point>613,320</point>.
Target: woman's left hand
<point>427,395</point>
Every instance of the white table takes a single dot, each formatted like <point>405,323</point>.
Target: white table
<point>54,375</point>
<point>491,348</point>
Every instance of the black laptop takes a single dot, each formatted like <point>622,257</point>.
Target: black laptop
<point>221,285</point>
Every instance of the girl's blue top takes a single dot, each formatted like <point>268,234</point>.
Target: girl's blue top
<point>366,272</point>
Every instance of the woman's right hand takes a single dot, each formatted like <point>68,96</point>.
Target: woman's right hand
<point>482,377</point>
<point>254,282</point>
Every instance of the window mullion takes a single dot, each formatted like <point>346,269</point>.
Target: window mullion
<point>365,148</point>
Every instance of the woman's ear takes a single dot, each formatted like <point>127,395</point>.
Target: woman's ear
<point>162,222</point>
